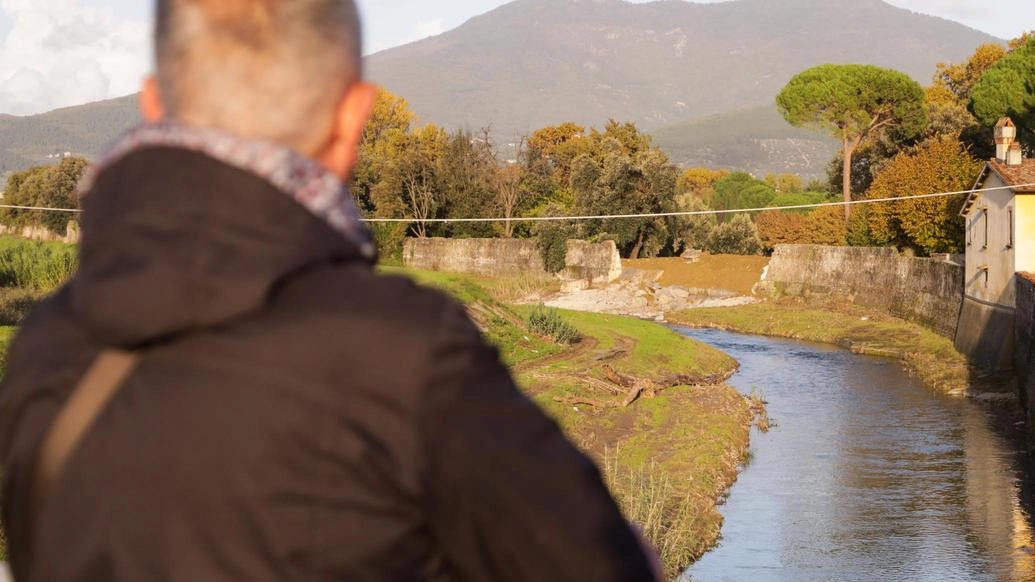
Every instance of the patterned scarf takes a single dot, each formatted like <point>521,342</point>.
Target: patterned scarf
<point>303,178</point>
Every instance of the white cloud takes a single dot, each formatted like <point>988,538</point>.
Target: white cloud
<point>62,52</point>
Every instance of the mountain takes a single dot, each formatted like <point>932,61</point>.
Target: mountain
<point>82,130</point>
<point>532,63</point>
<point>670,66</point>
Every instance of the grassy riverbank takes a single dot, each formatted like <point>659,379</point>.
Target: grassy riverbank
<point>669,454</point>
<point>925,354</point>
<point>650,405</point>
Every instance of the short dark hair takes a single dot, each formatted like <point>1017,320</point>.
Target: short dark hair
<point>267,69</point>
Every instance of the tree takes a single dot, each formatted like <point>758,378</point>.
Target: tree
<point>614,180</point>
<point>44,187</point>
<point>799,199</point>
<point>854,103</point>
<point>391,118</point>
<point>929,225</point>
<point>785,183</point>
<point>509,193</point>
<point>955,81</point>
<point>699,182</point>
<point>1007,89</point>
<point>410,183</point>
<point>1022,40</point>
<point>466,188</point>
<point>740,190</point>
<point>557,147</point>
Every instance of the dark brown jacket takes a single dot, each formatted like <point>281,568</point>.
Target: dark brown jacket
<point>295,415</point>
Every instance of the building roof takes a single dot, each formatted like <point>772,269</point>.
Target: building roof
<point>1022,176</point>
<point>1021,180</point>
<point>1004,122</point>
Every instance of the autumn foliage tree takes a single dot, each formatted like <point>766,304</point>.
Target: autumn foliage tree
<point>776,227</point>
<point>928,225</point>
<point>823,226</point>
<point>854,103</point>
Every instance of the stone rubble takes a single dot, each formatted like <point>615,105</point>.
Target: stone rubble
<point>638,294</point>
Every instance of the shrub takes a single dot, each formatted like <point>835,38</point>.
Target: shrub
<point>776,227</point>
<point>389,237</point>
<point>826,226</point>
<point>548,323</point>
<point>36,265</point>
<point>736,237</point>
<point>553,247</point>
<point>15,304</point>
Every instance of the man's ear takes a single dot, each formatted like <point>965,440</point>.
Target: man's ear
<point>342,152</point>
<point>150,101</point>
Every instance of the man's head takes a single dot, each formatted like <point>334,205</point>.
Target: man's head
<point>287,71</point>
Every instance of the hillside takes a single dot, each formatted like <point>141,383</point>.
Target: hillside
<point>757,140</point>
<point>80,130</point>
<point>671,66</point>
<point>537,62</point>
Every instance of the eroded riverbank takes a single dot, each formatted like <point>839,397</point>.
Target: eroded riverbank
<point>650,405</point>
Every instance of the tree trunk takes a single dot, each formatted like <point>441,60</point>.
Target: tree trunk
<point>846,185</point>
<point>635,254</point>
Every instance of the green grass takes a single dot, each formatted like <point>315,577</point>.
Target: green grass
<point>670,454</point>
<point>926,354</point>
<point>503,327</point>
<point>36,265</point>
<point>656,351</point>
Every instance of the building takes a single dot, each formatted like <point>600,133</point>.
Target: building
<point>1000,242</point>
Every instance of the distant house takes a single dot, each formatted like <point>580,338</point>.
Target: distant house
<point>1000,241</point>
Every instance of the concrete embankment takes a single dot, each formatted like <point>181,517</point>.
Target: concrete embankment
<point>924,291</point>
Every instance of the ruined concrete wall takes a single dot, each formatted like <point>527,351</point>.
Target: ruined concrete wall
<point>593,263</point>
<point>923,291</point>
<point>72,233</point>
<point>473,255</point>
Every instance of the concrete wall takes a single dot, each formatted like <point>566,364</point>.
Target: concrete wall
<point>986,335</point>
<point>473,255</point>
<point>924,291</point>
<point>72,233</point>
<point>1024,347</point>
<point>592,263</point>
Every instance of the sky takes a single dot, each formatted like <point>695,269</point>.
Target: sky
<point>57,53</point>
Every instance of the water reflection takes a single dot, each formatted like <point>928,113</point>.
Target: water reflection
<point>868,476</point>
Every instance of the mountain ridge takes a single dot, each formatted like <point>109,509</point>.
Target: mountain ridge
<point>748,48</point>
<point>666,65</point>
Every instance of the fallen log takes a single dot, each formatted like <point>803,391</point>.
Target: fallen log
<point>620,379</point>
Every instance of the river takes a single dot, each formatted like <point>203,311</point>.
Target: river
<point>868,476</point>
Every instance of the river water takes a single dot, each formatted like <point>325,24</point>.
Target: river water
<point>869,476</point>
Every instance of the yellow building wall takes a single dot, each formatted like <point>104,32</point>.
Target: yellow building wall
<point>1025,232</point>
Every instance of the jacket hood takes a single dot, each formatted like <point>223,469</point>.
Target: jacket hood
<point>174,239</point>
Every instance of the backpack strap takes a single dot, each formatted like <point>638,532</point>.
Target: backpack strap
<point>101,382</point>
